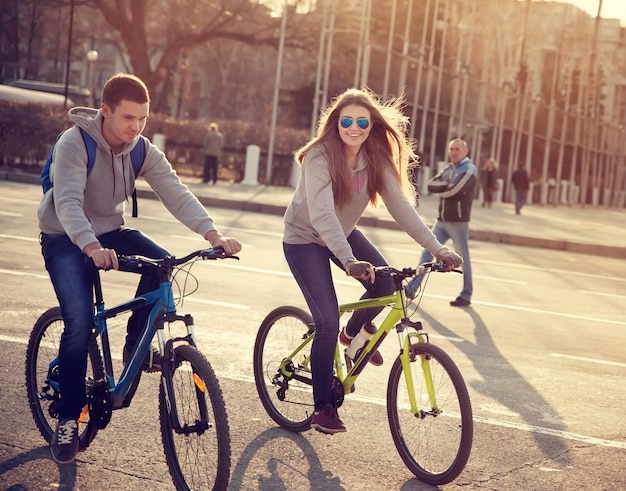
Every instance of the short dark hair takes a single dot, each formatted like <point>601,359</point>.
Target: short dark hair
<point>124,86</point>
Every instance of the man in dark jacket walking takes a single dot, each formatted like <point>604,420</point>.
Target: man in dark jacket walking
<point>456,186</point>
<point>521,183</point>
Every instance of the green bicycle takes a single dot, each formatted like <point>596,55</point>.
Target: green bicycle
<point>428,406</point>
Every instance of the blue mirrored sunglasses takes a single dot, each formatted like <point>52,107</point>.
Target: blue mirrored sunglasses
<point>362,123</point>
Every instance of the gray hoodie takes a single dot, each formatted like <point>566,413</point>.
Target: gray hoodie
<point>85,206</point>
<point>313,218</point>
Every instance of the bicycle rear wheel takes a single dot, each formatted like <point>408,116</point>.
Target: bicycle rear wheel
<point>435,445</point>
<point>194,424</point>
<point>285,389</point>
<point>42,371</point>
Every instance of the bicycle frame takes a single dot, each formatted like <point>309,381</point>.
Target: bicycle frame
<point>395,318</point>
<point>163,309</point>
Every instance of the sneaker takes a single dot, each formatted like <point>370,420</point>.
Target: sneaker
<point>327,421</point>
<point>376,358</point>
<point>151,362</point>
<point>460,302</point>
<point>64,444</point>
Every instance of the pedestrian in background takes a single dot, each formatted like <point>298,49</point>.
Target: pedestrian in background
<point>213,144</point>
<point>456,185</point>
<point>521,183</point>
<point>489,180</point>
<point>358,154</point>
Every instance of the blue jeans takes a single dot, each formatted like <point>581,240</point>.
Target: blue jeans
<point>310,265</point>
<point>459,233</point>
<point>72,280</point>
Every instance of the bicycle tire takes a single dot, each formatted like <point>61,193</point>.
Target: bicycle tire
<point>41,354</point>
<point>198,456</point>
<point>290,405</point>
<point>435,448</point>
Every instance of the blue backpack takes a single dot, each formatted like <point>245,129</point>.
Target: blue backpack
<point>137,156</point>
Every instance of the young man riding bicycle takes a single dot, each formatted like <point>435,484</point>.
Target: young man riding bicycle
<point>82,216</point>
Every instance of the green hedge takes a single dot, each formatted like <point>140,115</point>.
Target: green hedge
<point>28,130</point>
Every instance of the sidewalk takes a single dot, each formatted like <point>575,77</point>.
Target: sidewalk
<point>589,230</point>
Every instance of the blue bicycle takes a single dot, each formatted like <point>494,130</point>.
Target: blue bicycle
<point>193,420</point>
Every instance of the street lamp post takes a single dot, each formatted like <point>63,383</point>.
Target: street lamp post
<point>92,57</point>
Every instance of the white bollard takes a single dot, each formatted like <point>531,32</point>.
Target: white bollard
<point>294,177</point>
<point>159,141</point>
<point>250,177</point>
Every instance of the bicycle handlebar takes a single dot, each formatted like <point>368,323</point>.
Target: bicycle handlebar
<point>136,264</point>
<point>437,267</point>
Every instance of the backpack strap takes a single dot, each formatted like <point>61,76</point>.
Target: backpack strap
<point>137,157</point>
<point>90,146</point>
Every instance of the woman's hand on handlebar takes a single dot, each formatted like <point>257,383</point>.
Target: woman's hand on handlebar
<point>450,259</point>
<point>361,270</point>
<point>102,258</point>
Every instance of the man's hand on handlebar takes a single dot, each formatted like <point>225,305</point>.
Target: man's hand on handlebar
<point>450,259</point>
<point>102,258</point>
<point>361,270</point>
<point>230,245</point>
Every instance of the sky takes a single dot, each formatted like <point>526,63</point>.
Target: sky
<point>611,9</point>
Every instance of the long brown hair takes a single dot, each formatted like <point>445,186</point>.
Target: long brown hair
<point>386,145</point>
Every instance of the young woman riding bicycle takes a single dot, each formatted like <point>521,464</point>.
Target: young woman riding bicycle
<point>360,152</point>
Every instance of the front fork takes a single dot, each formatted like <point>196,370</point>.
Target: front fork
<point>407,356</point>
<point>168,367</point>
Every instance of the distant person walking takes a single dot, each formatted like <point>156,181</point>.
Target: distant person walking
<point>489,181</point>
<point>213,143</point>
<point>521,183</point>
<point>456,185</point>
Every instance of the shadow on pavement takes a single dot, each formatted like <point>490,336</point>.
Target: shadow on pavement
<point>42,479</point>
<point>496,372</point>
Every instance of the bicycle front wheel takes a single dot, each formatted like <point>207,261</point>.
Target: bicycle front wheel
<point>194,424</point>
<point>434,444</point>
<point>42,376</point>
<point>282,375</point>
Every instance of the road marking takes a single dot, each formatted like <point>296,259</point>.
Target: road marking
<point>567,435</point>
<point>430,295</point>
<point>216,303</point>
<point>23,273</point>
<point>601,294</point>
<point>542,312</point>
<point>589,360</point>
<point>236,306</point>
<point>19,237</point>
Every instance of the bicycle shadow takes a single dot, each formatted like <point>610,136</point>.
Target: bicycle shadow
<point>29,480</point>
<point>519,395</point>
<point>282,463</point>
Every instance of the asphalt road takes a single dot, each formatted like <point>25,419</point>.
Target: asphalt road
<point>541,351</point>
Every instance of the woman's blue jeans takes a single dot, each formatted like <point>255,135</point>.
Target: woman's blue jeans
<point>310,265</point>
<point>72,280</point>
<point>459,233</point>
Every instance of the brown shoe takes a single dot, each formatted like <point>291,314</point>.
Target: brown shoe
<point>460,302</point>
<point>327,421</point>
